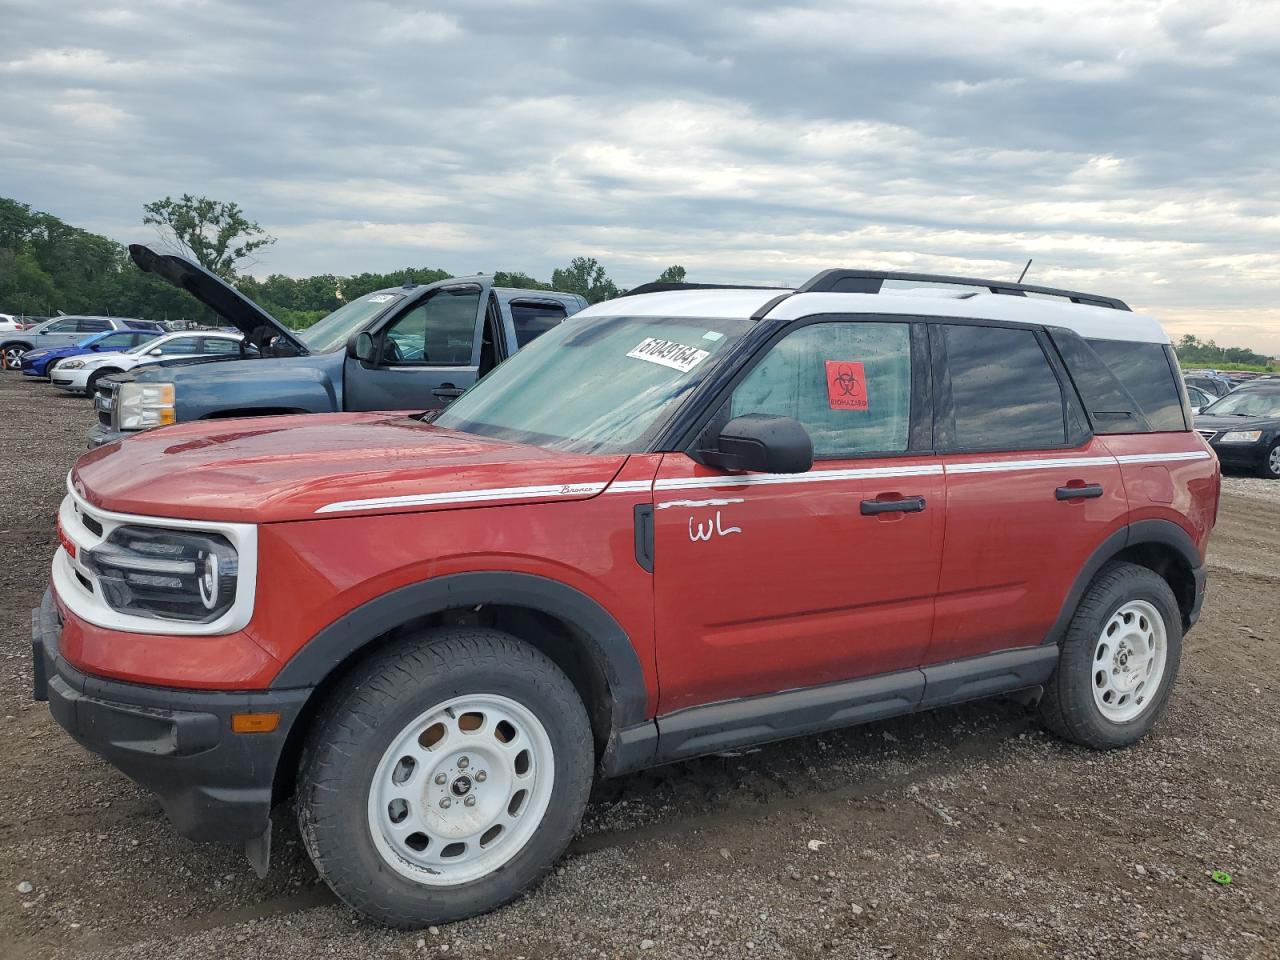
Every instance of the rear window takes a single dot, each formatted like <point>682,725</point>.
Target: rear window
<point>1147,374</point>
<point>532,320</point>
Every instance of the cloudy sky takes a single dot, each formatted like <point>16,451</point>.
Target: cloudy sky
<point>1129,147</point>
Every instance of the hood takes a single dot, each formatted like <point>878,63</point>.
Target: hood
<point>1236,423</point>
<point>273,469</point>
<point>216,294</point>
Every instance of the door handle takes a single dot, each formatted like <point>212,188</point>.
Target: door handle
<point>1084,491</point>
<point>871,508</point>
<point>447,392</point>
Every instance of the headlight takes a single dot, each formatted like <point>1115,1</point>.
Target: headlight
<point>166,574</point>
<point>142,406</point>
<point>1241,436</point>
<point>71,364</point>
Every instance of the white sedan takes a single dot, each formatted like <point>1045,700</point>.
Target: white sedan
<point>81,374</point>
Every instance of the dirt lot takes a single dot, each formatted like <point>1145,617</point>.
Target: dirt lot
<point>964,832</point>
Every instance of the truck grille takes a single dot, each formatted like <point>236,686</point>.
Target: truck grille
<point>104,403</point>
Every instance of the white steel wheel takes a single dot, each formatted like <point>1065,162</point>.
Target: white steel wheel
<point>1129,661</point>
<point>461,790</point>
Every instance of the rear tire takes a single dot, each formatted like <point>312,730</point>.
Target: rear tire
<point>10,353</point>
<point>444,777</point>
<point>1119,660</point>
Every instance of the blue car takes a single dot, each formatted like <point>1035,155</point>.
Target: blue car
<point>36,363</point>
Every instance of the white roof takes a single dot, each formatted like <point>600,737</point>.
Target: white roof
<point>1094,323</point>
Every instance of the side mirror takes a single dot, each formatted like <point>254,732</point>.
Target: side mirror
<point>763,443</point>
<point>1195,411</point>
<point>94,347</point>
<point>361,347</point>
<point>155,353</point>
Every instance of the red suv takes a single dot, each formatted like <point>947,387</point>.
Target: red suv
<point>679,522</point>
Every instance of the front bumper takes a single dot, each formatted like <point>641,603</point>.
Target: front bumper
<point>77,381</point>
<point>100,434</point>
<point>213,784</point>
<point>1248,456</point>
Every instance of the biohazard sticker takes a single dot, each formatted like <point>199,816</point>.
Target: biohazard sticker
<point>669,354</point>
<point>846,385</point>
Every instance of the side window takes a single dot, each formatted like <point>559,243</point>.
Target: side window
<point>180,345</point>
<point>117,341</point>
<point>1145,371</point>
<point>439,332</point>
<point>848,383</point>
<point>532,320</point>
<point>1004,392</point>
<point>139,337</point>
<point>90,325</point>
<point>68,325</point>
<point>220,345</point>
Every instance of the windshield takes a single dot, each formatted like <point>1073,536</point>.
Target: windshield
<point>332,332</point>
<point>1246,403</point>
<point>595,384</point>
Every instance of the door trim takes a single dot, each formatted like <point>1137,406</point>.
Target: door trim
<point>776,716</point>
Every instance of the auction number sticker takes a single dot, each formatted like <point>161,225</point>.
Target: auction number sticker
<point>668,353</point>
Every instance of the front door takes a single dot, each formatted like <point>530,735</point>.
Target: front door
<point>769,582</point>
<point>424,357</point>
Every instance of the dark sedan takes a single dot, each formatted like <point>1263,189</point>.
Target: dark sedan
<point>1244,429</point>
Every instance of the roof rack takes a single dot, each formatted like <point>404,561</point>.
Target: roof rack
<point>870,281</point>
<point>661,286</point>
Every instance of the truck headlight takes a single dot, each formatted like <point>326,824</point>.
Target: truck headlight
<point>166,574</point>
<point>1241,436</point>
<point>71,364</point>
<point>142,406</point>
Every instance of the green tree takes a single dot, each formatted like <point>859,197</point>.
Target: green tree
<point>584,276</point>
<point>519,280</point>
<point>673,274</point>
<point>216,234</point>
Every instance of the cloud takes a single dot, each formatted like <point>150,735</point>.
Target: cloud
<point>1127,146</point>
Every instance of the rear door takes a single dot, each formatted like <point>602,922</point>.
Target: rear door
<point>423,356</point>
<point>771,582</point>
<point>1030,492</point>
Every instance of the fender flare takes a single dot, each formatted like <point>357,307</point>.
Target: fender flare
<point>1163,532</point>
<point>609,643</point>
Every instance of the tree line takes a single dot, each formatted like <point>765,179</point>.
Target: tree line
<point>48,265</point>
<point>1194,352</point>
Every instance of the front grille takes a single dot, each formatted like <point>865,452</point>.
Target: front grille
<point>104,402</point>
<point>1208,434</point>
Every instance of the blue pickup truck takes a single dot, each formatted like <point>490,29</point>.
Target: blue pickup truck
<point>414,347</point>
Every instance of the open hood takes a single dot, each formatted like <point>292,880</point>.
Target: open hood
<point>258,326</point>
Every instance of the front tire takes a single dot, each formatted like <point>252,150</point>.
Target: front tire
<point>444,777</point>
<point>1270,468</point>
<point>1119,660</point>
<point>91,385</point>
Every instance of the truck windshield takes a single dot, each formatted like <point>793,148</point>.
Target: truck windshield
<point>332,332</point>
<point>595,384</point>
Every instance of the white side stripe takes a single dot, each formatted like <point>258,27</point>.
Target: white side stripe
<point>816,476</point>
<point>1164,457</point>
<point>1001,466</point>
<point>553,491</point>
<point>465,496</point>
<point>630,486</point>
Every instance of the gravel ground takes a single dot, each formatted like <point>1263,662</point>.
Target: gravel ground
<point>964,832</point>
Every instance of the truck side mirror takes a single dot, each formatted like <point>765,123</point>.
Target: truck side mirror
<point>763,443</point>
<point>361,347</point>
